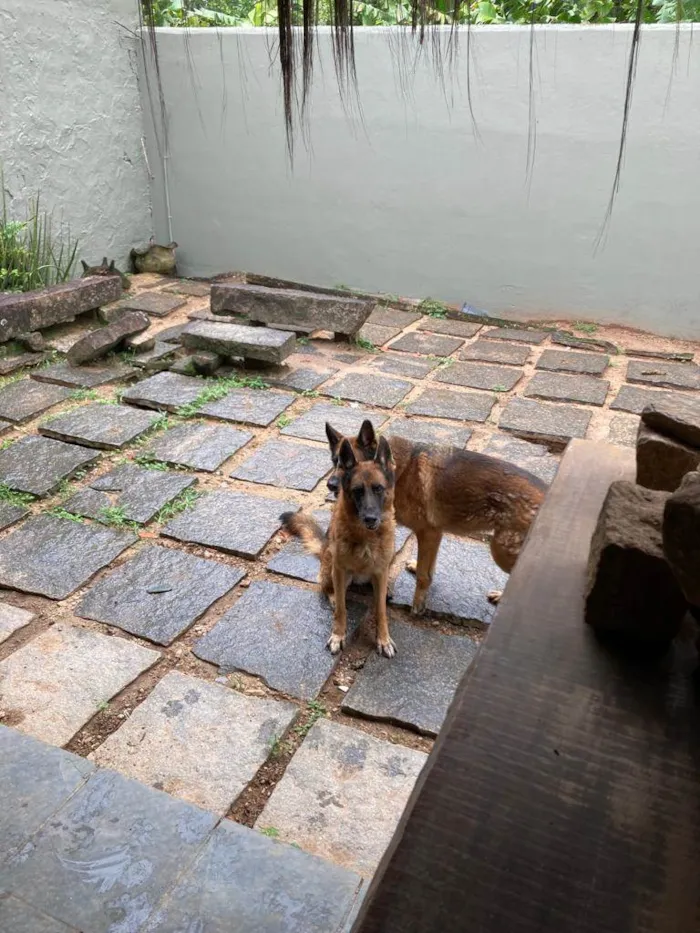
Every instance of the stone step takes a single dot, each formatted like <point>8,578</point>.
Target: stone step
<point>291,307</point>
<point>255,343</point>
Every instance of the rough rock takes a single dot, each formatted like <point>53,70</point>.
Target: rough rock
<point>675,416</point>
<point>681,536</point>
<point>99,342</point>
<point>256,343</point>
<point>662,462</point>
<point>206,363</point>
<point>33,341</point>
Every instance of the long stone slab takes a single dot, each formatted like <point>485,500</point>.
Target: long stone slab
<point>557,387</point>
<point>20,401</point>
<point>308,311</point>
<point>100,341</point>
<point>660,373</point>
<point>556,424</point>
<point>255,343</point>
<point>137,492</point>
<point>83,377</point>
<point>107,427</point>
<point>312,424</point>
<point>37,465</point>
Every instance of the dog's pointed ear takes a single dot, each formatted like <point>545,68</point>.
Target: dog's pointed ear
<point>334,438</point>
<point>111,266</point>
<point>84,265</point>
<point>346,456</point>
<point>367,439</point>
<point>103,264</point>
<point>383,455</point>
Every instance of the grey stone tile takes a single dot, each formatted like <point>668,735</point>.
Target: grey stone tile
<point>393,317</point>
<point>109,856</point>
<point>230,521</point>
<point>458,406</point>
<point>248,883</point>
<point>83,377</point>
<point>312,424</point>
<point>622,430</point>
<point>39,464</point>
<point>560,388</point>
<point>25,399</point>
<point>56,682</point>
<point>265,344</point>
<point>302,379</point>
<point>427,344</point>
<point>349,358</point>
<point>534,458</point>
<point>249,406</point>
<point>650,372</point>
<point>480,376</point>
<point>517,334</point>
<point>378,334</point>
<point>416,687</point>
<point>36,780</point>
<point>17,916</point>
<point>449,326</point>
<point>635,399</point>
<point>54,556</point>
<point>198,741</point>
<point>12,619</point>
<point>159,357</point>
<point>201,446</point>
<point>11,514</point>
<point>372,390</point>
<point>405,366</point>
<point>284,463</point>
<point>429,432</point>
<point>464,575</point>
<point>537,421</point>
<point>165,391</point>
<point>158,304</point>
<point>343,794</point>
<point>568,361</point>
<point>138,492</point>
<point>104,426</point>
<point>496,351</point>
<point>278,633</point>
<point>190,287</point>
<point>159,593</point>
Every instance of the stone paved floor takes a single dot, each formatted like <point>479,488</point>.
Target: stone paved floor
<point>218,764</point>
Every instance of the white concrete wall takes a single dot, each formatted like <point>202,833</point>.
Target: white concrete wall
<point>70,119</point>
<point>412,203</point>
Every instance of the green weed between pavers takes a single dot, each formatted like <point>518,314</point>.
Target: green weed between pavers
<point>271,831</point>
<point>433,308</point>
<point>283,421</point>
<point>310,393</point>
<point>337,400</point>
<point>13,497</point>
<point>499,388</point>
<point>365,344</point>
<point>584,327</point>
<point>149,462</point>
<point>116,516</point>
<point>217,388</point>
<point>59,512</point>
<point>181,503</point>
<point>315,710</point>
<point>84,395</point>
<point>8,442</point>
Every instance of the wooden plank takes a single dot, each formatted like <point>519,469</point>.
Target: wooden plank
<point>563,793</point>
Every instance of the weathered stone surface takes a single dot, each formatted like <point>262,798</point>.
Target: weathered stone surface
<point>249,406</point>
<point>198,741</point>
<point>83,377</point>
<point>459,406</point>
<point>141,343</point>
<point>681,537</point>
<point>302,379</point>
<point>534,458</point>
<point>566,361</point>
<point>54,556</point>
<point>350,358</point>
<point>427,344</point>
<point>111,855</point>
<point>448,326</point>
<point>12,619</point>
<point>206,363</point>
<point>623,430</point>
<point>110,313</point>
<point>307,310</point>
<point>104,426</point>
<point>39,464</point>
<point>675,416</point>
<point>19,917</point>
<point>201,446</point>
<point>27,311</point>
<point>10,364</point>
<point>11,514</point>
<point>659,355</point>
<point>156,303</point>
<point>416,687</point>
<point>55,683</point>
<point>278,633</point>
<point>671,375</point>
<point>311,424</point>
<point>343,794</point>
<point>239,340</point>
<point>34,341</point>
<point>248,883</point>
<point>159,593</point>
<point>171,334</point>
<point>99,342</point>
<point>372,390</point>
<point>283,463</point>
<point>556,424</point>
<point>20,401</point>
<point>495,351</point>
<point>165,391</point>
<point>516,334</point>
<point>138,492</point>
<point>157,358</point>
<point>429,432</point>
<point>480,376</point>
<point>378,335</point>
<point>631,593</point>
<point>464,576</point>
<point>662,462</point>
<point>189,287</point>
<point>566,339</point>
<point>5,426</point>
<point>635,400</point>
<point>230,521</point>
<point>183,366</point>
<point>560,388</point>
<point>405,366</point>
<point>393,317</point>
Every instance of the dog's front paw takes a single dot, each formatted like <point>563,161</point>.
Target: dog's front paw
<point>335,643</point>
<point>387,648</point>
<point>418,606</point>
<point>494,596</point>
<point>411,566</point>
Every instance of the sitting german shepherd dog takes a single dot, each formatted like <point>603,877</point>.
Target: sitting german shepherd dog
<point>446,490</point>
<point>360,540</point>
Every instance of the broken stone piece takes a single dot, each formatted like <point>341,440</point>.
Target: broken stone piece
<point>675,416</point>
<point>662,462</point>
<point>632,595</point>
<point>206,363</point>
<point>99,342</point>
<point>681,537</point>
<point>33,341</point>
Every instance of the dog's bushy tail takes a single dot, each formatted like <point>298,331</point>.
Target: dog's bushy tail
<point>306,529</point>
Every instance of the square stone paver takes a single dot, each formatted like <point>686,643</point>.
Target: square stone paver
<point>569,361</point>
<point>25,399</point>
<point>284,463</point>
<point>405,366</point>
<point>393,317</point>
<point>199,741</point>
<point>190,287</point>
<point>480,376</point>
<point>104,426</point>
<point>230,521</point>
<point>427,344</point>
<point>165,391</point>
<point>159,593</point>
<point>11,514</point>
<point>635,399</point>
<point>517,334</point>
<point>416,687</point>
<point>54,556</point>
<point>535,420</point>
<point>83,377</point>
<point>622,430</point>
<point>12,619</point>
<point>458,406</point>
<point>138,492</point>
<point>38,465</point>
<point>554,387</point>
<point>378,334</point>
<point>343,794</point>
<point>648,372</point>
<point>312,424</point>
<point>303,379</point>
<point>464,575</point>
<point>278,633</point>
<point>110,855</point>
<point>372,390</point>
<point>534,458</point>
<point>249,406</point>
<point>201,446</point>
<point>446,325</point>
<point>429,432</point>
<point>495,351</point>
<point>54,684</point>
<point>245,882</point>
<point>159,304</point>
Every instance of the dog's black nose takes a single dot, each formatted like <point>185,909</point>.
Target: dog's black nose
<point>372,523</point>
<point>333,484</point>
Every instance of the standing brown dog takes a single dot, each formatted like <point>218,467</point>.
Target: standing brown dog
<point>360,540</point>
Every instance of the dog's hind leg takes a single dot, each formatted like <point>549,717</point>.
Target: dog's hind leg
<point>340,618</point>
<point>385,645</point>
<point>505,548</point>
<point>428,547</point>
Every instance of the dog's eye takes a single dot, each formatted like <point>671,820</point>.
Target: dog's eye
<point>377,490</point>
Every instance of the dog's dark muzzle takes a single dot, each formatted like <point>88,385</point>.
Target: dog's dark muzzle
<point>333,484</point>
